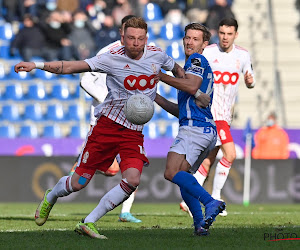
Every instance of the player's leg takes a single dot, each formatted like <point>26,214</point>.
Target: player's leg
<point>62,188</point>
<point>121,192</point>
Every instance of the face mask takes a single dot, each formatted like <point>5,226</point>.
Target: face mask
<point>270,122</point>
<point>51,6</point>
<point>55,24</point>
<point>79,24</point>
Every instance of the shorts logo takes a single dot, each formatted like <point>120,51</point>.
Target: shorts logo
<point>86,175</point>
<point>222,135</point>
<point>85,156</point>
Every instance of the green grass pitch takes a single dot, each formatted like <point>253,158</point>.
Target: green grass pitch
<point>164,226</point>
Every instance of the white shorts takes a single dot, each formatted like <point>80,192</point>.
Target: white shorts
<point>195,143</point>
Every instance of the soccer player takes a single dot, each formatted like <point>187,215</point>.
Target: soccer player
<point>197,132</point>
<point>95,85</point>
<point>227,61</point>
<point>130,69</point>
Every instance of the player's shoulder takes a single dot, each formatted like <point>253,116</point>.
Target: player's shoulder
<point>198,57</point>
<point>241,50</point>
<point>153,48</point>
<point>110,47</point>
<point>211,46</point>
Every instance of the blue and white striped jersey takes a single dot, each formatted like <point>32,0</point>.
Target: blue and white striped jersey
<point>189,113</point>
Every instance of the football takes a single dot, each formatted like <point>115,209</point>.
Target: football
<point>139,109</point>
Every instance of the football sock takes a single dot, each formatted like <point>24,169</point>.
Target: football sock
<point>201,175</point>
<point>189,183</point>
<point>61,189</point>
<point>127,204</point>
<point>110,200</point>
<point>194,206</point>
<point>221,174</point>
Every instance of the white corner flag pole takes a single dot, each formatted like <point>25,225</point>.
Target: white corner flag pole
<point>246,195</point>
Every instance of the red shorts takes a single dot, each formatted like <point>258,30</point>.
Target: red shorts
<point>104,141</point>
<point>223,130</point>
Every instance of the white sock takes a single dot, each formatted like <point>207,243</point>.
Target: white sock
<point>62,188</point>
<point>221,174</point>
<point>110,200</point>
<point>126,206</point>
<point>201,175</point>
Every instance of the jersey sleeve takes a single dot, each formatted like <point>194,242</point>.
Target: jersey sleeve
<point>168,62</point>
<point>100,63</point>
<point>196,65</point>
<point>248,65</point>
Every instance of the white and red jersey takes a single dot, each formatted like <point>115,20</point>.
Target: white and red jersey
<point>227,68</point>
<point>126,77</point>
<point>94,83</point>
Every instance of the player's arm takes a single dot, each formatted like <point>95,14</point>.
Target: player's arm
<point>190,84</point>
<point>178,71</point>
<point>168,106</point>
<point>56,67</point>
<point>248,73</point>
<point>94,84</point>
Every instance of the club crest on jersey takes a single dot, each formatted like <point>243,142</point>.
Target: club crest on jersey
<point>85,156</point>
<point>154,68</point>
<point>141,82</point>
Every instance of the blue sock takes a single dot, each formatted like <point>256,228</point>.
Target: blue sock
<point>189,183</point>
<point>194,206</point>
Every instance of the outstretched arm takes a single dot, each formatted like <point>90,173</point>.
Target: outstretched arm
<point>168,106</point>
<point>57,67</point>
<point>178,71</point>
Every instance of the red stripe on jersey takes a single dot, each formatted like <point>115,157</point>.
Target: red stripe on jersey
<point>118,113</point>
<point>241,48</point>
<point>154,48</point>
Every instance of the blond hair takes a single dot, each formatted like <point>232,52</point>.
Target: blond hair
<point>136,22</point>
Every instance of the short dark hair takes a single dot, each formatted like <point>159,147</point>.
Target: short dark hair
<point>198,26</point>
<point>229,22</point>
<point>126,18</point>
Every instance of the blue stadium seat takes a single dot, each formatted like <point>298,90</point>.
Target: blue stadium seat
<point>4,51</point>
<point>79,90</point>
<point>75,112</point>
<point>152,12</point>
<point>10,113</point>
<point>6,32</point>
<point>77,132</point>
<point>172,130</point>
<point>60,91</point>
<point>55,112</point>
<point>171,32</point>
<point>19,76</point>
<point>3,75</point>
<point>151,130</point>
<point>175,50</point>
<point>52,131</point>
<point>167,116</point>
<point>44,75</point>
<point>28,131</point>
<point>36,92</point>
<point>151,35</point>
<point>33,112</point>
<point>14,92</point>
<point>7,131</point>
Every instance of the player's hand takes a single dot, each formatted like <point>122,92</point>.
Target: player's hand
<point>203,100</point>
<point>248,78</point>
<point>24,66</point>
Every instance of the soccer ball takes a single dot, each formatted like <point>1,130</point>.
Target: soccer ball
<point>139,109</point>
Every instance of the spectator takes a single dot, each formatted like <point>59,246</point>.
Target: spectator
<point>216,13</point>
<point>24,42</point>
<point>68,5</point>
<point>197,11</point>
<point>271,141</point>
<point>56,30</point>
<point>15,10</point>
<point>82,36</point>
<point>108,33</point>
<point>123,8</point>
<point>96,13</point>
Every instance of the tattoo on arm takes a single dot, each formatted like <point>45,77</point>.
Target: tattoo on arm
<point>62,67</point>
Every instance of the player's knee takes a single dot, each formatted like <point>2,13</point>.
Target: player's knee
<point>133,181</point>
<point>230,156</point>
<point>79,183</point>
<point>169,175</point>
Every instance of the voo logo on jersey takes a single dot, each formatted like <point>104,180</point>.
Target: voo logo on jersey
<point>226,77</point>
<point>141,82</point>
